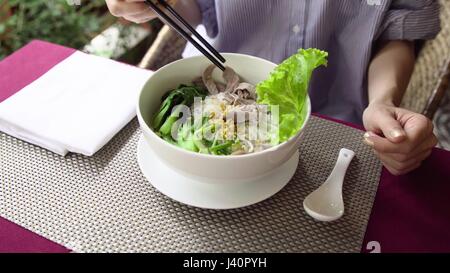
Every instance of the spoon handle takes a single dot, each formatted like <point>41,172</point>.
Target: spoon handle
<point>339,170</point>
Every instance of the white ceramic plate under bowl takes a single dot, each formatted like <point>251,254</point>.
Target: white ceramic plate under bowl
<point>189,191</point>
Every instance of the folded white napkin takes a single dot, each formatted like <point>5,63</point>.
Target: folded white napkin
<point>77,106</point>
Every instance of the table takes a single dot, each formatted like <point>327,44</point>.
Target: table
<point>410,212</point>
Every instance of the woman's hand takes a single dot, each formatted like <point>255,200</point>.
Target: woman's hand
<point>132,10</point>
<point>400,138</point>
<point>139,12</point>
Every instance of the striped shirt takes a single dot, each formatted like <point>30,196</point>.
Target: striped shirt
<point>347,29</point>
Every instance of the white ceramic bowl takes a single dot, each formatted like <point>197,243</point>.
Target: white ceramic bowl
<point>210,168</point>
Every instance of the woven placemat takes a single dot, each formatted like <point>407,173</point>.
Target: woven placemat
<point>104,204</point>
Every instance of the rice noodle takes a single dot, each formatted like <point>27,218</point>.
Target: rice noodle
<point>234,101</point>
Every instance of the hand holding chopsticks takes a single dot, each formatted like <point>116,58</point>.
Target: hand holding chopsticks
<point>212,54</point>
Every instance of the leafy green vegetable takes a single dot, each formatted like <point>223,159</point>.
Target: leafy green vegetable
<point>185,137</point>
<point>183,95</point>
<point>287,88</point>
<point>189,133</point>
<point>222,149</point>
<point>190,138</point>
<point>166,128</point>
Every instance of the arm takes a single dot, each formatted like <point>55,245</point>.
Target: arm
<point>390,72</point>
<point>400,138</point>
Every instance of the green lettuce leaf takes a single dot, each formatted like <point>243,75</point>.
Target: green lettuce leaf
<point>287,88</point>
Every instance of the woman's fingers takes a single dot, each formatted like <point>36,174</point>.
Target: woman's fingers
<point>422,148</point>
<point>402,163</point>
<point>132,10</point>
<point>402,167</point>
<point>417,127</point>
<point>122,8</point>
<point>383,145</point>
<point>139,18</point>
<point>400,150</point>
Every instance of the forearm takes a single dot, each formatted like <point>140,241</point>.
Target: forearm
<point>390,72</point>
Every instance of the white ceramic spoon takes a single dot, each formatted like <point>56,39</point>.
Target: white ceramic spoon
<point>326,203</point>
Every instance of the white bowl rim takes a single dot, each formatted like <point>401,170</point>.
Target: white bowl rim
<point>221,157</point>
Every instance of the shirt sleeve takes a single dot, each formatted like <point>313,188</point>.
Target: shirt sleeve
<point>411,20</point>
<point>209,17</point>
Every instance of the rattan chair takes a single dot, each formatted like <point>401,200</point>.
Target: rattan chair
<point>167,47</point>
<point>430,79</point>
<point>428,85</point>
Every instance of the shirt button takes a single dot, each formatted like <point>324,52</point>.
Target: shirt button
<point>296,29</point>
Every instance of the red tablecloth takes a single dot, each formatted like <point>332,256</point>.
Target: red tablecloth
<point>411,213</point>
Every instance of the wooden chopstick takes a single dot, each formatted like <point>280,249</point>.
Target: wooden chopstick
<point>185,35</point>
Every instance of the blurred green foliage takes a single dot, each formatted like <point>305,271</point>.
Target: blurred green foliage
<point>52,20</point>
